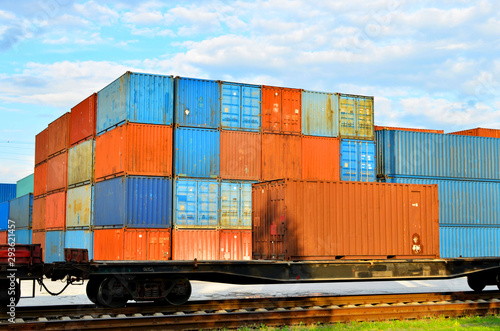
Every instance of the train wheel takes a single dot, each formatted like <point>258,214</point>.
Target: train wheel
<point>476,283</point>
<point>8,290</point>
<point>112,293</point>
<point>181,291</point>
<point>93,289</point>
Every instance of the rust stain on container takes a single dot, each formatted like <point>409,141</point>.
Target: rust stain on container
<point>479,132</point>
<point>320,158</point>
<point>235,244</point>
<point>38,237</point>
<point>57,172</point>
<point>134,149</point>
<point>59,134</point>
<point>39,213</point>
<point>281,109</point>
<point>55,211</point>
<point>195,244</point>
<point>42,146</point>
<point>379,128</point>
<point>281,156</point>
<point>40,180</point>
<point>108,244</point>
<point>83,120</point>
<point>240,155</point>
<point>309,220</point>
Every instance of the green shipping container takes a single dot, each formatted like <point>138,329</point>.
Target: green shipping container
<point>25,186</point>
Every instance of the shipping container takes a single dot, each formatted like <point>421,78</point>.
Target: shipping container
<point>308,220</point>
<point>83,120</point>
<point>135,97</point>
<point>281,156</point>
<point>38,237</point>
<point>240,155</point>
<point>23,236</point>
<point>79,207</point>
<point>479,132</point>
<point>196,203</point>
<point>235,244</point>
<point>357,160</point>
<point>281,110</point>
<point>108,244</point>
<point>4,215</point>
<point>240,106</point>
<point>4,235</point>
<point>25,185</point>
<point>40,180</point>
<point>320,158</point>
<point>55,211</point>
<point>197,152</point>
<point>197,103</point>
<point>199,244</point>
<point>135,202</point>
<point>355,116</point>
<point>59,134</point>
<point>39,213</point>
<point>21,211</point>
<point>320,117</point>
<point>410,154</point>
<point>470,241</point>
<point>42,146</point>
<point>236,205</point>
<point>380,127</point>
<point>7,192</point>
<point>54,246</point>
<point>83,239</point>
<point>81,163</point>
<point>57,173</point>
<point>134,149</point>
<point>159,244</point>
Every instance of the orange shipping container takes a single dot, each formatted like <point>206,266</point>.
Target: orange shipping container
<point>379,128</point>
<point>55,211</point>
<point>240,155</point>
<point>83,117</point>
<point>42,146</point>
<point>159,244</point>
<point>40,180</point>
<point>134,149</point>
<point>59,134</point>
<point>308,220</point>
<point>57,173</point>
<point>320,158</point>
<point>4,235</point>
<point>281,156</point>
<point>195,244</point>
<point>39,213</point>
<point>108,244</point>
<point>281,110</point>
<point>480,132</point>
<point>235,244</point>
<point>38,237</point>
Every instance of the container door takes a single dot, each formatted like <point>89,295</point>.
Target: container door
<point>291,109</point>
<point>246,206</point>
<point>186,203</point>
<point>347,115</point>
<point>277,226</point>
<point>230,110</point>
<point>349,160</point>
<point>230,200</point>
<point>271,109</point>
<point>415,226</point>
<point>366,157</point>
<point>250,108</point>
<point>208,199</point>
<point>365,117</point>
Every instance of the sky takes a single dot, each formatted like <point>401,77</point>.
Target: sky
<point>429,64</point>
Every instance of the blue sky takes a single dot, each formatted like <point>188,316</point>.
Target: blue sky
<point>429,64</point>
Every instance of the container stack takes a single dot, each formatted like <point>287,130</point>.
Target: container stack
<point>7,193</point>
<point>21,209</point>
<point>40,188</point>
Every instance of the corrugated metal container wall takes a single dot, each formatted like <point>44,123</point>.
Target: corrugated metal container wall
<point>358,161</point>
<point>240,106</point>
<point>57,173</point>
<point>281,156</point>
<point>25,186</point>
<point>140,98</point>
<point>235,245</point>
<point>281,110</point>
<point>319,115</point>
<point>55,211</point>
<point>355,116</point>
<point>83,239</point>
<point>159,244</point>
<point>463,202</point>
<point>402,153</point>
<point>79,207</point>
<point>21,210</point>
<point>240,155</point>
<point>137,202</point>
<point>59,134</point>
<point>81,163</point>
<point>135,244</point>
<point>54,246</point>
<point>4,215</point>
<point>197,102</point>
<point>479,132</point>
<point>23,236</point>
<point>134,149</point>
<point>351,220</point>
<point>320,158</point>
<point>83,120</point>
<point>40,180</point>
<point>470,241</point>
<point>195,244</point>
<point>7,192</point>
<point>379,128</point>
<point>42,146</point>
<point>197,152</point>
<point>196,203</point>
<point>38,237</point>
<point>236,205</point>
<point>39,213</point>
<point>103,250</point>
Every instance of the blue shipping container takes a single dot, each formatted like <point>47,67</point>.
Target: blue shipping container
<point>421,154</point>
<point>469,241</point>
<point>21,211</point>
<point>23,236</point>
<point>357,160</point>
<point>197,152</point>
<point>196,203</point>
<point>54,246</point>
<point>135,97</point>
<point>320,117</point>
<point>80,239</point>
<point>4,215</point>
<point>197,103</point>
<point>240,107</point>
<point>133,202</point>
<point>7,192</point>
<point>236,205</point>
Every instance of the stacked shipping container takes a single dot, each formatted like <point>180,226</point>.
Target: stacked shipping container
<point>7,192</point>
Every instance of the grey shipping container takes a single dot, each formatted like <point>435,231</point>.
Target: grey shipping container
<point>21,210</point>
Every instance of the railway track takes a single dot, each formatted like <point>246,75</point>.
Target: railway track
<point>269,311</point>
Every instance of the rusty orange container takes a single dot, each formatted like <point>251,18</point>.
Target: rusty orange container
<point>479,132</point>
<point>281,110</point>
<point>195,244</point>
<point>240,155</point>
<point>55,211</point>
<point>320,158</point>
<point>57,172</point>
<point>108,244</point>
<point>59,134</point>
<point>40,180</point>
<point>39,214</point>
<point>134,149</point>
<point>281,156</point>
<point>4,235</point>
<point>38,237</point>
<point>42,146</point>
<point>235,244</point>
<point>379,128</point>
<point>83,120</point>
<point>135,244</point>
<point>320,220</point>
<point>159,244</point>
